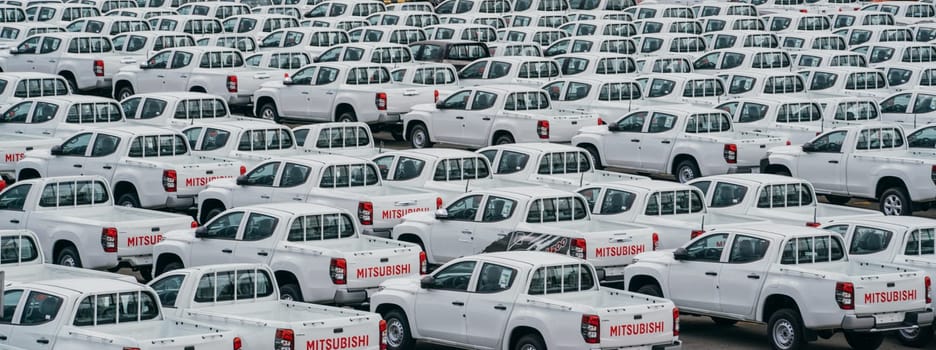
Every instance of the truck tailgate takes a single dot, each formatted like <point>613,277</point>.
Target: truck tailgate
<point>401,100</point>
<point>888,293</point>
<point>389,209</point>
<point>368,268</point>
<point>193,177</point>
<point>137,237</point>
<point>626,320</point>
<point>752,147</point>
<point>563,127</point>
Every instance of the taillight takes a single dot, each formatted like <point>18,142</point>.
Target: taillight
<point>238,344</point>
<point>194,224</point>
<point>591,329</point>
<point>243,169</point>
<point>788,142</point>
<point>338,270</point>
<point>928,289</point>
<point>365,213</point>
<point>933,174</point>
<point>845,295</point>
<point>170,178</point>
<point>803,11</point>
<point>731,153</point>
<point>578,248</point>
<point>601,121</point>
<point>381,101</point>
<point>435,94</point>
<point>383,335</point>
<point>285,339</point>
<point>232,83</point>
<point>656,241</point>
<point>98,68</point>
<point>109,239</point>
<point>675,321</point>
<point>438,202</point>
<point>696,233</point>
<point>542,129</point>
<point>423,263</point>
<point>813,224</point>
<point>129,348</point>
<point>3,184</point>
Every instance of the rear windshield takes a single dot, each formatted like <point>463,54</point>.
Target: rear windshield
<point>353,175</point>
<point>564,163</point>
<point>557,209</point>
<point>17,249</point>
<point>116,308</point>
<point>68,194</point>
<point>856,110</point>
<point>674,202</point>
<point>784,196</point>
<point>200,109</point>
<point>798,112</point>
<point>708,122</point>
<point>93,113</point>
<point>340,137</point>
<point>561,279</point>
<point>225,286</point>
<point>921,242</point>
<point>320,227</point>
<point>265,140</point>
<point>158,146</point>
<point>807,250</point>
<point>461,169</point>
<point>368,75</point>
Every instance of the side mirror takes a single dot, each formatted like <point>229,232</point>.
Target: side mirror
<point>680,254</point>
<point>440,105</point>
<point>316,59</point>
<point>201,231</point>
<point>56,150</point>
<point>144,66</point>
<point>14,51</point>
<point>808,147</point>
<point>241,180</point>
<point>287,81</point>
<point>427,282</point>
<point>614,127</point>
<point>441,214</point>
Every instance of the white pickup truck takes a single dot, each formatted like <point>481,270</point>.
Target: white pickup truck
<point>794,119</point>
<point>496,114</point>
<point>780,199</point>
<point>317,252</point>
<point>675,211</point>
<point>526,218</point>
<point>85,60</point>
<point>798,280</point>
<point>353,139</point>
<point>448,172</point>
<point>76,220</point>
<point>249,141</point>
<point>99,313</point>
<point>343,182</point>
<point>522,301</point>
<point>559,166</point>
<point>904,241</point>
<point>147,167</point>
<point>870,160</point>
<point>22,260</point>
<point>175,110</point>
<point>61,116</point>
<point>687,142</point>
<point>248,302</point>
<point>215,70</point>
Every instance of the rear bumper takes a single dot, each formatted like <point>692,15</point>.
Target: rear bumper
<point>675,345</point>
<point>353,297</point>
<point>378,232</point>
<point>746,169</point>
<point>180,202</point>
<point>611,274</point>
<point>867,323</point>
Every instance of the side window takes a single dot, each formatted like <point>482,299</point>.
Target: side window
<point>498,209</point>
<point>11,299</point>
<point>14,198</point>
<point>77,145</point>
<point>214,139</point>
<point>457,101</point>
<point>495,278</point>
<point>483,100</point>
<point>868,240</point>
<point>661,122</point>
<point>747,249</point>
<point>410,168</point>
<point>225,226</point>
<point>829,143</point>
<point>632,123</point>
<point>454,277</point>
<point>616,202</point>
<point>591,197</point>
<point>167,289</point>
<point>18,113</point>
<point>464,209</point>
<point>294,175</point>
<point>708,248</point>
<point>263,175</point>
<point>512,162</point>
<point>259,227</point>
<point>105,145</point>
<point>39,308</point>
<point>727,194</point>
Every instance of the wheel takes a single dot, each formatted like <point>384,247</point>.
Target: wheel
<point>291,292</point>
<point>174,265</point>
<point>211,214</point>
<point>346,116</point>
<point>781,172</point>
<point>419,137</point>
<point>651,290</point>
<point>72,84</point>
<point>864,340</point>
<point>895,201</point>
<point>530,342</point>
<point>397,135</point>
<point>724,322</point>
<point>687,170</point>
<point>68,256</point>
<point>595,157</point>
<point>504,139</point>
<point>129,199</point>
<point>123,92</point>
<point>398,332</point>
<point>840,200</point>
<point>916,338</point>
<point>146,273</point>
<point>268,111</point>
<point>785,330</point>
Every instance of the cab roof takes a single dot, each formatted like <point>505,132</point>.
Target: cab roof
<point>434,153</point>
<point>893,222</point>
<point>531,258</point>
<point>294,209</point>
<point>536,147</point>
<point>752,179</point>
<point>648,185</point>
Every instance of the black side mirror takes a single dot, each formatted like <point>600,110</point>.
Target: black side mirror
<point>144,66</point>
<point>440,105</point>
<point>427,282</point>
<point>614,127</point>
<point>808,147</point>
<point>201,232</point>
<point>242,180</point>
<point>56,150</point>
<point>14,51</point>
<point>316,59</point>
<point>680,254</point>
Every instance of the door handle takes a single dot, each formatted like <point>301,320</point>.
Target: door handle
<point>485,118</point>
<point>51,61</point>
<point>77,165</point>
<point>297,198</point>
<point>228,251</point>
<point>160,76</point>
<point>500,307</point>
<point>711,274</point>
<point>753,276</point>
<point>265,197</point>
<point>19,131</point>
<point>305,92</point>
<point>458,303</point>
<point>459,118</point>
<point>833,162</point>
<point>108,167</point>
<point>42,341</point>
<point>183,76</point>
<point>2,337</point>
<point>14,221</point>
<point>263,253</point>
<point>467,232</point>
<point>330,93</point>
<point>666,142</point>
<point>635,140</point>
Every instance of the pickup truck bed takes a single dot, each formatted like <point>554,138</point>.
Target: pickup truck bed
<point>115,214</point>
<point>44,272</point>
<point>359,245</point>
<point>573,182</point>
<point>279,312</point>
<point>162,334</point>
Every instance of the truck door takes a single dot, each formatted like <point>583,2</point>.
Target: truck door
<point>695,278</point>
<point>622,147</point>
<point>176,78</point>
<point>12,202</point>
<point>824,163</point>
<point>72,159</point>
<point>255,244</point>
<point>658,141</point>
<point>216,246</point>
<point>11,299</point>
<point>258,187</point>
<point>740,285</point>
<point>442,308</point>
<point>495,223</point>
<point>490,305</point>
<point>37,321</point>
<point>479,119</point>
<point>293,184</point>
<point>453,236</point>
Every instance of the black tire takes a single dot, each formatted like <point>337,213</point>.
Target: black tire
<point>123,92</point>
<point>419,137</point>
<point>27,174</point>
<point>128,199</point>
<point>595,157</point>
<point>781,172</point>
<point>864,340</point>
<point>724,322</point>
<point>504,139</point>
<point>210,214</point>
<point>785,330</point>
<point>268,111</point>
<point>530,342</point>
<point>399,336</point>
<point>171,266</point>
<point>72,84</point>
<point>397,135</point>
<point>651,290</point>
<point>896,201</point>
<point>146,273</point>
<point>916,338</point>
<point>686,170</point>
<point>290,291</point>
<point>68,256</point>
<point>346,115</point>
<point>840,200</point>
